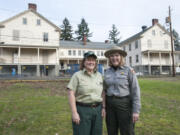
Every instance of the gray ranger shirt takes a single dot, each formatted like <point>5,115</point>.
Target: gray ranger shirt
<point>123,82</point>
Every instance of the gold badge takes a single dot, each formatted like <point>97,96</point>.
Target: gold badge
<point>122,73</point>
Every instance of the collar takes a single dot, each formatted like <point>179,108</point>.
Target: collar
<point>85,71</point>
<point>119,67</point>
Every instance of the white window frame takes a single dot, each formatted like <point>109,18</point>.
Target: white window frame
<point>69,52</point>
<point>74,52</point>
<point>130,47</point>
<point>45,37</point>
<point>16,35</point>
<point>38,22</point>
<point>136,44</point>
<point>79,53</point>
<point>137,58</point>
<point>24,21</point>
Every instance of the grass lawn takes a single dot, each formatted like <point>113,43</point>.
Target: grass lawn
<point>41,108</point>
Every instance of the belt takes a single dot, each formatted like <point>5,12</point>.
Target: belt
<point>89,104</point>
<point>118,97</point>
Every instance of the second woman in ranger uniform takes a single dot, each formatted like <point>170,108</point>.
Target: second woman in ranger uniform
<point>85,98</point>
<point>122,94</point>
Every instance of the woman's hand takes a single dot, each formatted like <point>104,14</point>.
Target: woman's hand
<point>76,118</point>
<point>103,113</point>
<point>135,117</point>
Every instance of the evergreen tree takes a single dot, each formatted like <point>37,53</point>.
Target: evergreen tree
<point>113,35</point>
<point>83,31</point>
<point>66,30</point>
<point>177,38</point>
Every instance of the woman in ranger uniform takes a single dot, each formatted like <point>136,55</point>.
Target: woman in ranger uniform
<point>85,98</point>
<point>122,94</point>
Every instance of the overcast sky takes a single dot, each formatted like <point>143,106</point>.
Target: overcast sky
<point>127,15</point>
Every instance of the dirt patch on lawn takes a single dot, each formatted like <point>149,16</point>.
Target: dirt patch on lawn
<point>57,88</point>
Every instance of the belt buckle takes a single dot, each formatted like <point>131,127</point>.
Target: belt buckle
<point>93,105</point>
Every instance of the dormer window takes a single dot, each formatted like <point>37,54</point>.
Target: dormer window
<point>38,22</point>
<point>24,21</point>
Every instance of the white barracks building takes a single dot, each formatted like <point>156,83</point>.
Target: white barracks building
<point>149,51</point>
<point>30,46</point>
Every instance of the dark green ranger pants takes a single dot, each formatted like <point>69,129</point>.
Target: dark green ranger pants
<point>90,121</point>
<point>119,116</point>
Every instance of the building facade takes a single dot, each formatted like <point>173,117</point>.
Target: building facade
<point>149,51</point>
<point>71,54</point>
<point>29,45</point>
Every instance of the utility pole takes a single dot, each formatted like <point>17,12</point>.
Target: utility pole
<point>168,20</point>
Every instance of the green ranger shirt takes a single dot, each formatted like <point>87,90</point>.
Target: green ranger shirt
<point>87,87</point>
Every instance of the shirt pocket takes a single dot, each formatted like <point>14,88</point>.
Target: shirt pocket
<point>83,87</point>
<point>122,80</point>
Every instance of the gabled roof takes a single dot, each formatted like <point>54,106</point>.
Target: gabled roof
<point>30,10</point>
<point>89,45</point>
<point>139,35</point>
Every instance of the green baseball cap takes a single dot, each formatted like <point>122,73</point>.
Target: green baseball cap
<point>90,53</point>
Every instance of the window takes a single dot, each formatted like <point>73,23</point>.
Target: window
<point>38,22</point>
<point>45,37</point>
<point>153,32</point>
<point>124,48</point>
<point>130,61</point>
<point>137,58</point>
<point>79,52</point>
<point>74,52</point>
<point>165,44</point>
<point>149,43</point>
<point>136,44</point>
<point>16,35</point>
<point>69,52</point>
<point>98,53</point>
<point>129,47</point>
<point>102,54</point>
<point>24,21</point>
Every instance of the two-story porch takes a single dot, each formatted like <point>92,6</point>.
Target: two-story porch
<point>29,60</point>
<point>156,62</point>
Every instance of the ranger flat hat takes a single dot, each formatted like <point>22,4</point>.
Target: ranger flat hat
<point>115,49</point>
<point>90,53</point>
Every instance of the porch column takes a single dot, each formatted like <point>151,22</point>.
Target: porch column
<point>149,64</point>
<point>19,69</point>
<point>160,64</point>
<point>19,54</point>
<point>78,61</point>
<point>97,61</point>
<point>38,55</point>
<point>57,57</point>
<point>170,62</point>
<point>38,70</point>
<point>56,70</point>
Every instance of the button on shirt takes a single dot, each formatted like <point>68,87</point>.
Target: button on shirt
<point>122,82</point>
<point>87,87</point>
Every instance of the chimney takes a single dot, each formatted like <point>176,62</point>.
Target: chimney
<point>84,40</point>
<point>144,27</point>
<point>154,21</point>
<point>32,6</point>
<point>106,41</point>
